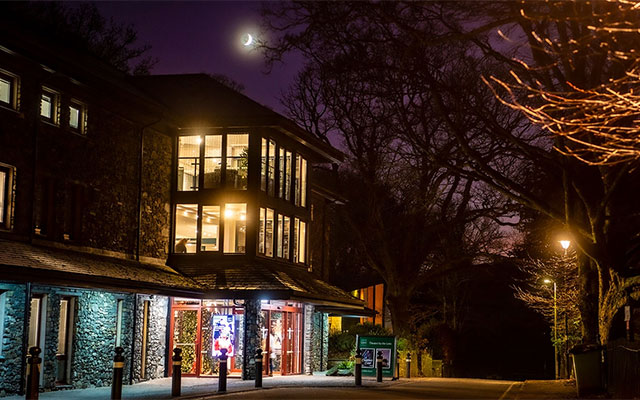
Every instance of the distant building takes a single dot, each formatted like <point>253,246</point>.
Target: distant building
<point>152,213</point>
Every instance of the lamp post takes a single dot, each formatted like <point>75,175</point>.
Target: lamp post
<point>555,326</point>
<point>565,370</point>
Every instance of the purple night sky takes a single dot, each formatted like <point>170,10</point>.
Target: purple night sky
<point>193,37</point>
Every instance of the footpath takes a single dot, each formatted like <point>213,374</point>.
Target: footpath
<point>195,388</point>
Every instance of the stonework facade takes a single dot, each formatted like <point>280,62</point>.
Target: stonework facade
<point>150,343</point>
<point>11,352</point>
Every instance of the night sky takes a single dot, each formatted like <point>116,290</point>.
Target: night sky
<point>193,37</point>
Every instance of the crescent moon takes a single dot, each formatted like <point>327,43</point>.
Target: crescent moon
<point>249,40</point>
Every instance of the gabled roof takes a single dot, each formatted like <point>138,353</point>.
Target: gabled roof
<point>198,100</point>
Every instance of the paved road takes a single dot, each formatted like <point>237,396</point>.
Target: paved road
<point>430,388</point>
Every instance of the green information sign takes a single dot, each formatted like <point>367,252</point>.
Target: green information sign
<point>370,346</point>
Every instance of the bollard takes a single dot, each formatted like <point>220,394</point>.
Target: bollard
<point>358,371</point>
<point>222,375</point>
<point>379,367</point>
<point>258,361</point>
<point>118,368</point>
<point>408,360</point>
<point>176,376</point>
<point>33,373</point>
<point>396,374</point>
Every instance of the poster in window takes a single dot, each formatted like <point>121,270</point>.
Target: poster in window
<point>223,334</point>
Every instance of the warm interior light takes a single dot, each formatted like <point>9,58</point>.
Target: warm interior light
<point>228,213</point>
<point>565,244</point>
<point>243,217</point>
<point>199,140</point>
<point>547,281</point>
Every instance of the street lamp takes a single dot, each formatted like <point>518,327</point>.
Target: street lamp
<point>555,326</point>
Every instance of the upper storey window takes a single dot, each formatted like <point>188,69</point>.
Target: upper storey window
<point>189,162</point>
<point>8,90</point>
<point>78,117</point>
<point>221,164</point>
<point>49,106</point>
<point>301,181</point>
<point>237,160</point>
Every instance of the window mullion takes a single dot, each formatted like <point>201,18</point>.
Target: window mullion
<point>223,154</point>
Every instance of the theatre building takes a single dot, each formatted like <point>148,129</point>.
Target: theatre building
<point>242,208</point>
<point>151,213</point>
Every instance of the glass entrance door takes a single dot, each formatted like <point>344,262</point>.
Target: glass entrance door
<point>281,341</point>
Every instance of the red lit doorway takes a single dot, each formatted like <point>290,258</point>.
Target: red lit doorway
<point>282,328</point>
<point>201,328</point>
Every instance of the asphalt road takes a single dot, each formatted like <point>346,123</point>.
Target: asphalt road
<point>418,389</point>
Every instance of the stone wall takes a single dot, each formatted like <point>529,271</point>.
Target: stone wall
<point>307,343</point>
<point>95,338</point>
<point>156,338</point>
<point>11,338</point>
<point>252,321</point>
<point>320,341</point>
<point>156,190</point>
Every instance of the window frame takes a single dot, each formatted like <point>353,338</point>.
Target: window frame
<point>223,184</point>
<point>82,108</point>
<point>55,106</point>
<point>221,228</point>
<point>14,90</point>
<point>6,203</point>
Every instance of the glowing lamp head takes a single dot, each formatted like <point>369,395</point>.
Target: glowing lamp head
<point>547,280</point>
<point>228,213</point>
<point>565,244</point>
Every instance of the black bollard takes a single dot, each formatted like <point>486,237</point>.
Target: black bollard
<point>176,376</point>
<point>408,360</point>
<point>258,361</point>
<point>33,373</point>
<point>222,375</point>
<point>118,368</point>
<point>358,371</point>
<point>379,367</point>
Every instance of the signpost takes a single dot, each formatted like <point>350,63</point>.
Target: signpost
<point>369,346</point>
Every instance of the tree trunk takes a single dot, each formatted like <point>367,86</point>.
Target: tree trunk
<point>589,299</point>
<point>399,302</point>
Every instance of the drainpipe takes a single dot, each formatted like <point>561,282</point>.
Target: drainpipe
<point>25,336</point>
<point>321,340</point>
<point>133,336</point>
<point>167,339</point>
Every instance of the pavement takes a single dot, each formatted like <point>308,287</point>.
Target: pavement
<point>328,387</point>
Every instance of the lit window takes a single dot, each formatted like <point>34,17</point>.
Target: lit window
<point>212,161</point>
<point>210,227</point>
<point>235,227</point>
<point>284,191</point>
<point>189,162</point>
<point>263,165</point>
<point>5,90</point>
<point>5,196</point>
<point>283,236</point>
<point>186,228</point>
<point>265,232</point>
<point>8,90</point>
<point>272,168</point>
<point>301,182</point>
<point>49,107</point>
<point>78,117</point>
<point>237,160</point>
<point>299,241</point>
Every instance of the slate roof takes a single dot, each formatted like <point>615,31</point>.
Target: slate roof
<point>262,281</point>
<point>51,265</point>
<point>48,265</point>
